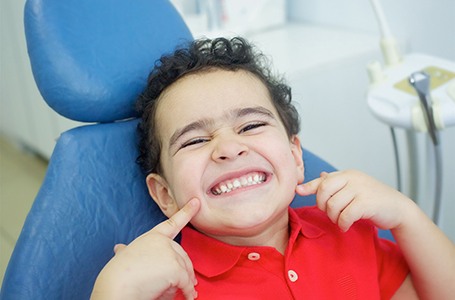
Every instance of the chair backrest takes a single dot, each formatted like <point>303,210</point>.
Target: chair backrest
<point>90,59</point>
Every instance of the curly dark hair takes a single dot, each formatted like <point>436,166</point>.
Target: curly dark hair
<point>203,55</point>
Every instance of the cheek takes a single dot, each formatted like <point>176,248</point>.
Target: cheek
<point>287,163</point>
<point>283,154</point>
<point>186,181</point>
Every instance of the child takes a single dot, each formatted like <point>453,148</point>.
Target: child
<point>223,162</point>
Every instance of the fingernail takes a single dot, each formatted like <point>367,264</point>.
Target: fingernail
<point>343,230</point>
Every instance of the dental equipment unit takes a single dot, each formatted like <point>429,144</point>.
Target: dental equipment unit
<point>415,92</point>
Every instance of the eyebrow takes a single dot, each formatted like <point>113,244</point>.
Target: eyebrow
<point>207,122</point>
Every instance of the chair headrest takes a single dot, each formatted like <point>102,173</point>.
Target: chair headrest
<point>90,59</point>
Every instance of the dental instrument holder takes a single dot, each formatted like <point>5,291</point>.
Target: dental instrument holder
<point>394,95</point>
<point>401,95</point>
<point>420,81</point>
<point>393,100</point>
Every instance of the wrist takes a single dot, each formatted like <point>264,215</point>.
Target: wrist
<point>111,285</point>
<point>411,217</point>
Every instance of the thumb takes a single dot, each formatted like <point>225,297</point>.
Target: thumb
<point>172,226</point>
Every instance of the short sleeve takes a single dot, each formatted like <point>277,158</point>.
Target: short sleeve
<point>392,267</point>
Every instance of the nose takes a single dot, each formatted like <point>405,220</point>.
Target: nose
<point>228,148</point>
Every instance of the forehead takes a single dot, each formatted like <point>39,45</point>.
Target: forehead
<point>209,95</point>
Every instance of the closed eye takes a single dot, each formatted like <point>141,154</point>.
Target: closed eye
<point>193,142</point>
<point>252,126</point>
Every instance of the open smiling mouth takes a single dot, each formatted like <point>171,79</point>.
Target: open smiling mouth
<point>233,184</point>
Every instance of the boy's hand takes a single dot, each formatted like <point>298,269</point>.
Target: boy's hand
<point>349,196</point>
<point>153,266</point>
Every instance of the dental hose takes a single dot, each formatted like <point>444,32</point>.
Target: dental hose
<point>397,158</point>
<point>438,184</point>
<point>420,81</point>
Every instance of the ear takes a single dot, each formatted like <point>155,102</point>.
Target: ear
<point>296,150</point>
<point>161,194</point>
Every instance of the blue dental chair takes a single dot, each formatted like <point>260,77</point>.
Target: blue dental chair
<point>90,59</point>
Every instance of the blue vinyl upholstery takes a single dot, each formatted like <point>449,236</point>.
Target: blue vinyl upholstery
<point>90,59</point>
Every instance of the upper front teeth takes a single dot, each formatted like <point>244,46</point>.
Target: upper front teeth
<point>228,186</point>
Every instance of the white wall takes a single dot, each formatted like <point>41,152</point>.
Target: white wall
<point>24,116</point>
<point>427,25</point>
<point>336,121</point>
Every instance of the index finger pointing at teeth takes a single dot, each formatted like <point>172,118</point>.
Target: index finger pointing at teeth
<point>175,224</point>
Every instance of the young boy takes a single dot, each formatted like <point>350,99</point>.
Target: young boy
<point>223,162</point>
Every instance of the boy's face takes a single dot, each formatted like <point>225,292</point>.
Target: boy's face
<point>223,143</point>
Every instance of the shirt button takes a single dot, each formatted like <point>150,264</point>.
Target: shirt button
<point>254,256</point>
<point>293,276</point>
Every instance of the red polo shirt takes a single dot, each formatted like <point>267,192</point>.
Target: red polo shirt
<point>320,262</point>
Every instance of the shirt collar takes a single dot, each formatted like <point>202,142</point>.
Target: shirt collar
<point>211,257</point>
<point>300,225</point>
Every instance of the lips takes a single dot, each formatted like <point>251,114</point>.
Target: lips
<point>232,184</point>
